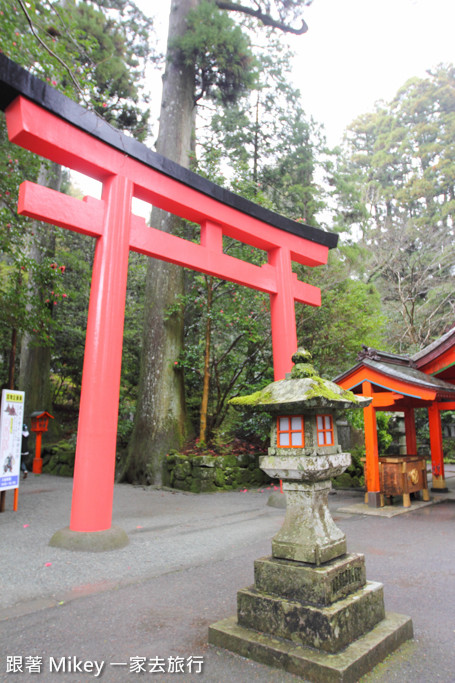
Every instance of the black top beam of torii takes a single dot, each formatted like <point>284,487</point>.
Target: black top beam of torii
<point>15,81</point>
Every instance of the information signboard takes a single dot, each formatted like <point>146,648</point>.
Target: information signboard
<point>11,421</point>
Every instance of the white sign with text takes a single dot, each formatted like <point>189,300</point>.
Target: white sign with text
<point>11,421</point>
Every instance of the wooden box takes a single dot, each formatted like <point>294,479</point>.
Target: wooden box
<point>402,475</point>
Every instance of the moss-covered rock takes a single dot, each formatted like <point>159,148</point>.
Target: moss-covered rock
<point>184,484</point>
<point>220,479</point>
<point>252,400</point>
<point>202,473</point>
<point>182,467</point>
<point>246,460</point>
<point>303,370</point>
<point>208,486</point>
<point>230,461</point>
<point>59,458</point>
<point>244,476</point>
<point>65,470</point>
<point>171,458</point>
<point>203,460</point>
<point>195,486</point>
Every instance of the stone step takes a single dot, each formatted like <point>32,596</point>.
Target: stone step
<point>347,666</point>
<point>310,584</point>
<point>330,628</point>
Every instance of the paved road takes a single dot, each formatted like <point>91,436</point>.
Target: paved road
<point>187,557</point>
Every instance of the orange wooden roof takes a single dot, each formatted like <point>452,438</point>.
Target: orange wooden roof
<point>438,359</point>
<point>396,381</point>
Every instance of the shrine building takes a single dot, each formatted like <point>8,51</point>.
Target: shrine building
<point>401,384</point>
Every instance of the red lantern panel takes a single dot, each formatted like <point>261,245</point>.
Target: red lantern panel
<point>324,427</point>
<point>290,431</point>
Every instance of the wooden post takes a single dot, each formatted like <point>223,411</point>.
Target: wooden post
<point>426,494</point>
<point>437,455</point>
<point>37,461</point>
<point>371,451</point>
<point>3,500</point>
<point>405,486</point>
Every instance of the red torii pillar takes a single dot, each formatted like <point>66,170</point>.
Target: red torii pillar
<point>117,231</point>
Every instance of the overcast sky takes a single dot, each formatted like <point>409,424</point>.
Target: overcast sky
<point>359,51</point>
<point>356,52</point>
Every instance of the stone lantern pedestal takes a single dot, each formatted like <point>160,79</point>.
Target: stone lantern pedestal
<point>309,533</point>
<point>311,610</point>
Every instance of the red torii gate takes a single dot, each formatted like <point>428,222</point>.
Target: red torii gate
<point>56,128</point>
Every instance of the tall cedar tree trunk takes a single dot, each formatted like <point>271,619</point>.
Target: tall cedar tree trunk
<point>35,360</point>
<point>160,420</point>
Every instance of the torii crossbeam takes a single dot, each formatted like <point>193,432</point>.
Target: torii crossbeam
<point>49,124</point>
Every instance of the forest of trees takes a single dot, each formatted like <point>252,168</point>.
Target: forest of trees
<point>230,112</point>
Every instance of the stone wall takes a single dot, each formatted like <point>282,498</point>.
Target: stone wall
<point>59,458</point>
<point>205,473</point>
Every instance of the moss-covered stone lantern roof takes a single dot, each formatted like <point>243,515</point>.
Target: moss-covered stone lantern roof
<point>303,388</point>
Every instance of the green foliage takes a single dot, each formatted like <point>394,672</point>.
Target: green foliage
<point>355,418</point>
<point>19,311</point>
<point>265,141</point>
<point>353,477</point>
<point>240,343</point>
<point>76,251</point>
<point>97,57</point>
<point>264,148</point>
<point>219,52</point>
<point>396,189</point>
<point>90,55</point>
<point>448,447</point>
<point>384,436</point>
<point>350,315</point>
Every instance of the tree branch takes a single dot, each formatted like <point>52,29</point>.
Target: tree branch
<point>266,19</point>
<point>46,47</point>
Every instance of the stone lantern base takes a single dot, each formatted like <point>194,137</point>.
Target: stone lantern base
<point>325,623</point>
<point>309,533</point>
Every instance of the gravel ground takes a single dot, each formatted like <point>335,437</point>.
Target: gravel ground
<point>188,555</point>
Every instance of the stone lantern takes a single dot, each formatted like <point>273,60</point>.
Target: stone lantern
<point>304,453</point>
<point>311,610</point>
